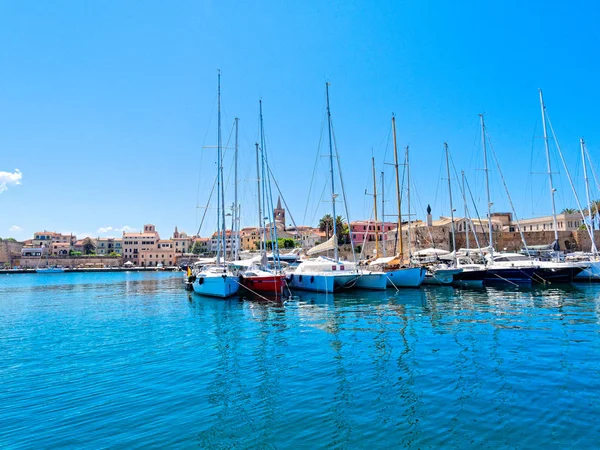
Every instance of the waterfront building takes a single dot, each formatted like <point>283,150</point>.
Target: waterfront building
<point>60,249</point>
<point>47,238</point>
<point>248,238</point>
<point>33,251</point>
<point>564,222</point>
<point>203,243</point>
<point>229,241</point>
<point>182,243</point>
<point>106,246</point>
<point>146,249</point>
<point>365,231</point>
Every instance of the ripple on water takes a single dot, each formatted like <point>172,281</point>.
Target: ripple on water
<point>129,359</point>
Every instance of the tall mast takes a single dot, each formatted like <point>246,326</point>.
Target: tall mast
<point>398,193</point>
<point>260,240</point>
<point>466,211</point>
<point>383,238</point>
<point>587,193</point>
<point>487,185</point>
<point>450,194</point>
<point>552,190</point>
<point>333,195</point>
<point>375,210</point>
<point>264,177</point>
<point>236,218</point>
<point>220,188</point>
<point>408,200</point>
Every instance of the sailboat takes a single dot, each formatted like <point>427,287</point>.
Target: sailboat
<point>49,269</point>
<point>553,271</point>
<point>217,280</point>
<point>399,273</point>
<point>440,273</point>
<point>544,272</point>
<point>473,274</point>
<point>500,271</point>
<point>323,274</point>
<point>590,262</point>
<point>259,277</point>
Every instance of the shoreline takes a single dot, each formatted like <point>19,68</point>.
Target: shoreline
<point>92,269</point>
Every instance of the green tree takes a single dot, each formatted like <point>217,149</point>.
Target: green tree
<point>88,246</point>
<point>568,211</point>
<point>196,249</point>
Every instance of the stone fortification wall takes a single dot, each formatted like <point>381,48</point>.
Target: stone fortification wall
<point>72,262</point>
<point>9,251</point>
<point>510,241</point>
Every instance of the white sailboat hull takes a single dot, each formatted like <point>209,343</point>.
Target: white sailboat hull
<point>221,286</point>
<point>312,282</point>
<point>407,277</point>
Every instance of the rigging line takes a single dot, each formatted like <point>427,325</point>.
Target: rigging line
<point>463,195</point>
<point>587,153</point>
<point>587,225</point>
<point>421,205</point>
<point>289,211</point>
<point>202,153</point>
<point>476,210</point>
<point>225,148</point>
<point>507,192</point>
<point>343,191</point>
<point>314,169</point>
<point>439,178</point>
<point>207,207</point>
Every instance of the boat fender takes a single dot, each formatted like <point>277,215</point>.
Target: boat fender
<point>291,277</point>
<point>312,279</point>
<point>201,280</point>
<point>192,278</point>
<point>300,278</point>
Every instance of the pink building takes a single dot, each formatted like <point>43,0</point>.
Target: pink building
<point>364,230</point>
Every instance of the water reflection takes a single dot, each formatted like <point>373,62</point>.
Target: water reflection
<point>432,367</point>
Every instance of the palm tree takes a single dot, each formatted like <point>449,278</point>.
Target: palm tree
<point>326,224</point>
<point>568,211</point>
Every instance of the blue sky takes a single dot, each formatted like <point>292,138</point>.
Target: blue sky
<point>106,108</point>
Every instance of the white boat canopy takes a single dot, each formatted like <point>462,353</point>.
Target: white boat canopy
<point>324,247</point>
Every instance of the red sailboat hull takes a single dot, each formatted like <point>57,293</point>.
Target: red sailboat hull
<point>270,284</point>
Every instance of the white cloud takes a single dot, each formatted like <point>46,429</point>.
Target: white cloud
<point>125,228</point>
<point>10,178</point>
<point>15,228</point>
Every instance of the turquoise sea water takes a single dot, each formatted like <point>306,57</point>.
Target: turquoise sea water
<point>132,360</point>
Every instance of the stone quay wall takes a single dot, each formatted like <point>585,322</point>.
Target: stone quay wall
<point>69,261</point>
